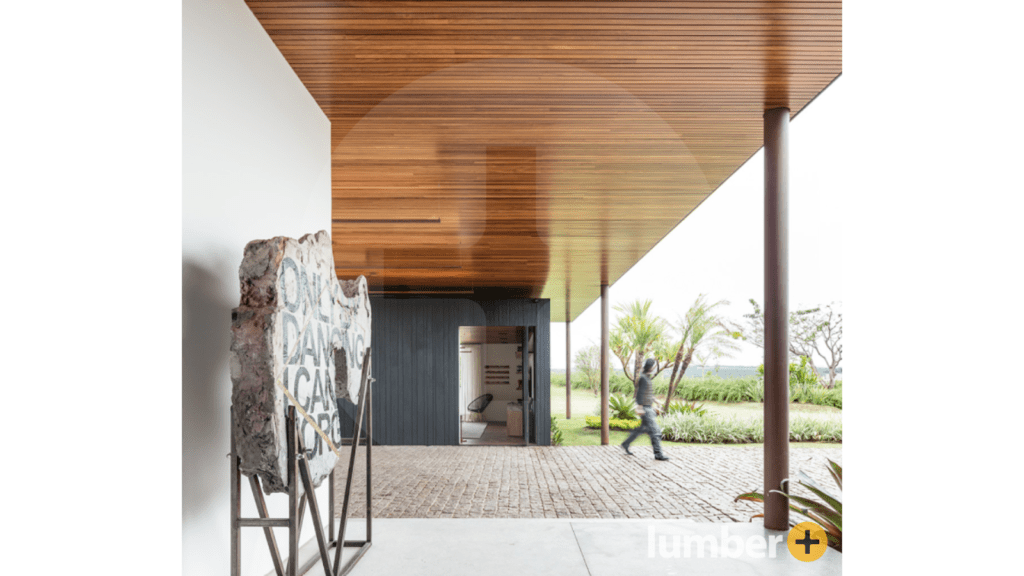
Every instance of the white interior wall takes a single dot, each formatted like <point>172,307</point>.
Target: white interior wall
<point>501,354</point>
<point>255,164</point>
<point>471,384</point>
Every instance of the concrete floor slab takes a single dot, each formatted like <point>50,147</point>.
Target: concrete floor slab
<point>457,547</point>
<point>561,547</point>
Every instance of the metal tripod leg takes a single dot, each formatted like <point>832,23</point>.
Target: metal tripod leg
<point>360,409</point>
<point>261,507</point>
<point>314,510</point>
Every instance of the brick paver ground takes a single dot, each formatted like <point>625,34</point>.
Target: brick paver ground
<point>698,483</point>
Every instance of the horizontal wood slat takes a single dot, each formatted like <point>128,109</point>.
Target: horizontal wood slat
<point>538,149</point>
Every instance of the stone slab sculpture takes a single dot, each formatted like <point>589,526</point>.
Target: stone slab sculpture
<point>298,337</point>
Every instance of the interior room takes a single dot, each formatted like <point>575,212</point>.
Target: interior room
<point>491,383</point>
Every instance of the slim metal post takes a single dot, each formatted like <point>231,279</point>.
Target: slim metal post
<point>330,508</point>
<point>776,316</point>
<point>236,506</point>
<point>293,496</point>
<point>369,460</point>
<point>605,433</point>
<point>568,364</point>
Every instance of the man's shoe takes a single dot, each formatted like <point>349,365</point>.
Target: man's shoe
<point>625,449</point>
<point>661,457</point>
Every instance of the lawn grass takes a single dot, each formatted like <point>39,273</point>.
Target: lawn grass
<point>575,432</point>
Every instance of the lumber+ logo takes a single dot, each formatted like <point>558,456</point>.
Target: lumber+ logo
<point>806,542</point>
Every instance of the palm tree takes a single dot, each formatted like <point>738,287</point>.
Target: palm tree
<point>637,334</point>
<point>700,329</point>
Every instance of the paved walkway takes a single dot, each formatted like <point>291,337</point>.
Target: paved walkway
<point>699,483</point>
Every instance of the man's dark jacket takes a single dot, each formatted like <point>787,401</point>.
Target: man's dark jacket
<point>644,391</point>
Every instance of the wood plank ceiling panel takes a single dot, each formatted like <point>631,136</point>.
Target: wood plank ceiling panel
<point>536,149</point>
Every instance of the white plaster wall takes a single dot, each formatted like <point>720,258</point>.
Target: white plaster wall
<point>255,164</point>
<point>501,354</point>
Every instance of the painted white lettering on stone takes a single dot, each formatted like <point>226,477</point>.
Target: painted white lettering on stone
<point>297,328</point>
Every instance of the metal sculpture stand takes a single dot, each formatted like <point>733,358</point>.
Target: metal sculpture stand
<point>298,468</point>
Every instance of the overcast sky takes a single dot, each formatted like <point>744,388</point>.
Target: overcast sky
<point>724,245</point>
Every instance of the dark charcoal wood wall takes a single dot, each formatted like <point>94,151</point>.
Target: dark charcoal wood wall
<point>416,365</point>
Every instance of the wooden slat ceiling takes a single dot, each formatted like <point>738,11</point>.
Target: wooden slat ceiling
<point>538,149</point>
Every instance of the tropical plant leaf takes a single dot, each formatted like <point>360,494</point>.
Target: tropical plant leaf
<point>838,479</point>
<point>828,526</point>
<point>835,541</point>
<point>836,471</point>
<point>818,508</point>
<point>751,497</point>
<point>836,505</point>
<point>811,484</point>
<point>825,524</point>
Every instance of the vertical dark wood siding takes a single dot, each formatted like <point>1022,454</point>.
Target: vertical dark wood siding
<point>416,365</point>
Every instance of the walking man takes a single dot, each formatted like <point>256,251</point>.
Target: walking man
<point>645,402</point>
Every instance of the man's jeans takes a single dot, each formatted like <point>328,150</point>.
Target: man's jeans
<point>650,426</point>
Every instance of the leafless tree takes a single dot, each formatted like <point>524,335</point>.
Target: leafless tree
<point>811,331</point>
<point>829,341</point>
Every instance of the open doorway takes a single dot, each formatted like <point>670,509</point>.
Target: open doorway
<point>493,385</point>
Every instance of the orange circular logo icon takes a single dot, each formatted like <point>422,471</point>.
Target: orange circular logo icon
<point>807,541</point>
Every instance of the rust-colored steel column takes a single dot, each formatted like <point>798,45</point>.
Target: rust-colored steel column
<point>605,435</point>
<point>568,365</point>
<point>776,315</point>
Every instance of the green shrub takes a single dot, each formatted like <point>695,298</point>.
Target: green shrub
<point>621,407</point>
<point>579,382</point>
<point>686,408</point>
<point>556,434</point>
<point>582,384</point>
<point>804,429</point>
<point>613,423</point>
<point>816,394</point>
<point>801,373</point>
<point>751,389</point>
<point>712,428</point>
<point>716,389</point>
<point>619,384</point>
<point>755,390</point>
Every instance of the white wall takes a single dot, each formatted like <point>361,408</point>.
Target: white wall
<point>255,164</point>
<point>501,354</point>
